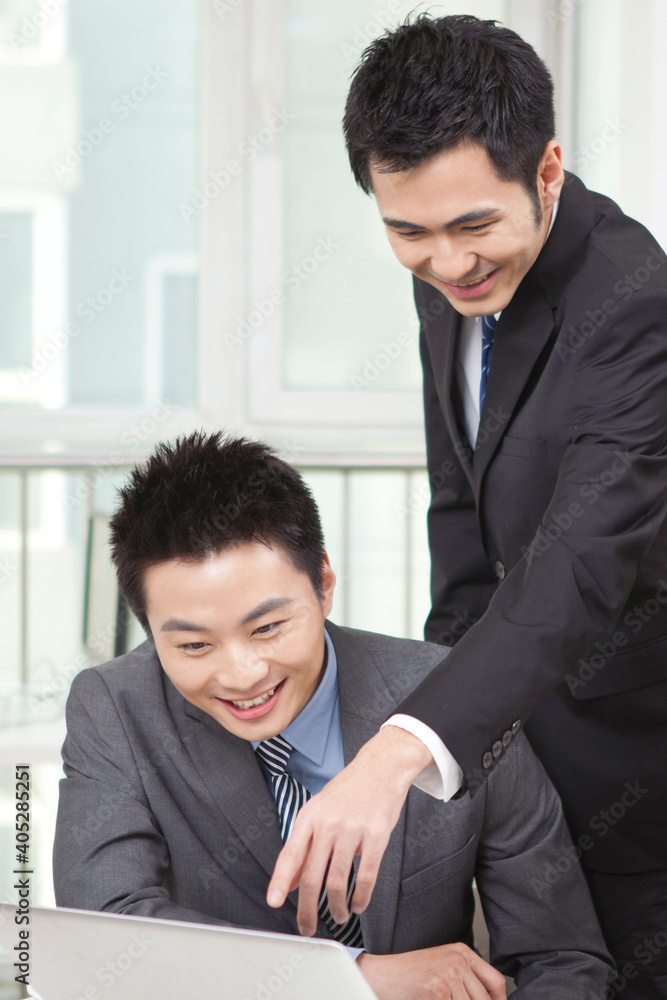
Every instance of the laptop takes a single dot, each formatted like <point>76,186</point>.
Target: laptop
<point>82,955</point>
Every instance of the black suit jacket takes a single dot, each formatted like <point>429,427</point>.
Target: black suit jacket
<point>550,533</point>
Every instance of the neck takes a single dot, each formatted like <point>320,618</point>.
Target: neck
<point>546,224</point>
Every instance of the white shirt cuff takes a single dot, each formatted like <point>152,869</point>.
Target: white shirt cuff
<point>354,953</point>
<point>442,779</point>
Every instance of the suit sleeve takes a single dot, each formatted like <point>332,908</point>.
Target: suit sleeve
<point>462,582</point>
<point>109,853</point>
<point>542,926</point>
<point>569,589</point>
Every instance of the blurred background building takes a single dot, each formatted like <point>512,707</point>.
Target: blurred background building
<point>182,245</point>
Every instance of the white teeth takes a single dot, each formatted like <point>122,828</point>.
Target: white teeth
<point>479,281</point>
<point>256,701</point>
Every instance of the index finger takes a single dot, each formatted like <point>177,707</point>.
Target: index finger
<point>369,865</point>
<point>491,979</point>
<point>289,865</point>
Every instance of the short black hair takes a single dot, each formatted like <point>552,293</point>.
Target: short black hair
<point>206,493</point>
<point>433,83</point>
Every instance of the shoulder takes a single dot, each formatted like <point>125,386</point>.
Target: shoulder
<point>618,246</point>
<point>610,311</point>
<point>140,665</point>
<point>135,679</point>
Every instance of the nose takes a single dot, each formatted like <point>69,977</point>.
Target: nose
<point>241,670</point>
<point>451,262</point>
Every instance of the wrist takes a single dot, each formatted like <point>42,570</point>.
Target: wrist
<point>401,754</point>
<point>381,972</point>
<point>368,964</point>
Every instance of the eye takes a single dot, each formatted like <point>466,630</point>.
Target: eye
<point>267,629</point>
<point>411,234</point>
<point>195,647</point>
<point>476,229</point>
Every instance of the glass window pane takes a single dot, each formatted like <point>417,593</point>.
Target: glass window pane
<point>99,110</point>
<point>179,300</point>
<point>619,143</point>
<point>138,71</point>
<point>15,288</point>
<point>342,316</point>
<point>10,578</point>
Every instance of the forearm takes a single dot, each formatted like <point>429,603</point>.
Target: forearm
<point>565,594</point>
<point>89,889</point>
<point>576,974</point>
<point>533,936</point>
<point>154,902</point>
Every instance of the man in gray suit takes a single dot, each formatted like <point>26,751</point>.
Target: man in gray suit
<point>187,759</point>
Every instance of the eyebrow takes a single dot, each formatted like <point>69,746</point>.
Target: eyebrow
<point>179,625</point>
<point>473,216</point>
<point>265,608</point>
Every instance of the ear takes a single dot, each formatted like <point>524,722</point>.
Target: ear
<point>550,175</point>
<point>328,585</point>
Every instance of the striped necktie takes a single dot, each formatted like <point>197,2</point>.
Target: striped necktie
<point>488,333</point>
<point>290,795</point>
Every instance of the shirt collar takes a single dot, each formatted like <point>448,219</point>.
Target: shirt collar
<point>309,731</point>
<point>553,217</point>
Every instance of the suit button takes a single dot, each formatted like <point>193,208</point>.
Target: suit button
<point>497,748</point>
<point>487,760</point>
<point>516,726</point>
<point>507,738</point>
<point>500,570</point>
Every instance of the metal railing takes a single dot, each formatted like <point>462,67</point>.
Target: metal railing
<point>94,470</point>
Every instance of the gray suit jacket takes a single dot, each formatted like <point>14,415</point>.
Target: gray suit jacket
<point>164,813</point>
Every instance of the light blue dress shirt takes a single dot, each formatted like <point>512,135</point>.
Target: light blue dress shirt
<point>317,737</point>
<point>316,733</point>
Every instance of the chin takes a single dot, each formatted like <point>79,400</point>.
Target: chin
<point>476,308</point>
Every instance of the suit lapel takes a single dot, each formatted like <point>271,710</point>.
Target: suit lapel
<point>443,343</point>
<point>523,331</point>
<point>530,321</point>
<point>365,702</point>
<point>231,773</point>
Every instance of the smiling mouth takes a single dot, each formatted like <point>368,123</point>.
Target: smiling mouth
<point>252,707</point>
<point>255,701</point>
<point>470,284</point>
<point>471,289</point>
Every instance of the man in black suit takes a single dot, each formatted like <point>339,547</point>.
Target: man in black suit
<point>544,348</point>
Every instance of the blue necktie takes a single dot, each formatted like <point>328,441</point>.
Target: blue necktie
<point>488,333</point>
<point>290,795</point>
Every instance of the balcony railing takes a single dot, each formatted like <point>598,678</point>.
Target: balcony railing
<point>58,601</point>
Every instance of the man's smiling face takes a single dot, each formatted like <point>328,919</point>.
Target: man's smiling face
<point>243,625</point>
<point>456,224</point>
